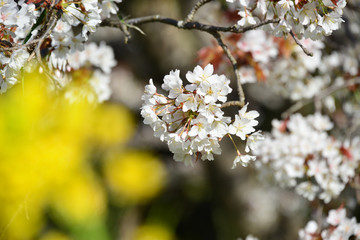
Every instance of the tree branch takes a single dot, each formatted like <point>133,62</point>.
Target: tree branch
<point>188,24</point>
<point>46,31</point>
<point>231,104</point>
<point>233,62</point>
<point>16,47</point>
<point>196,7</point>
<point>185,25</point>
<point>306,51</point>
<point>300,104</point>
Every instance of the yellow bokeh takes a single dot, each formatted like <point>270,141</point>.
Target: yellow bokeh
<point>44,158</point>
<point>53,235</point>
<point>79,199</point>
<point>133,176</point>
<point>153,232</point>
<point>120,121</point>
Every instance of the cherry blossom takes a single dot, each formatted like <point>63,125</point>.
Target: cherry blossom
<point>190,118</point>
<point>309,19</point>
<point>336,226</point>
<point>303,155</point>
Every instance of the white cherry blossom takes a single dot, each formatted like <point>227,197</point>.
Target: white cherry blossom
<point>190,118</point>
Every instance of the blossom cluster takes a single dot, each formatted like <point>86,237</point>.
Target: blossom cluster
<point>338,227</point>
<point>303,155</point>
<point>190,118</point>
<point>22,22</point>
<point>283,66</point>
<point>309,19</point>
<point>94,66</point>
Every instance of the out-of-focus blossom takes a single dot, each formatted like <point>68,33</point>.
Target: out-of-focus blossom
<point>301,147</point>
<point>336,226</point>
<point>134,177</point>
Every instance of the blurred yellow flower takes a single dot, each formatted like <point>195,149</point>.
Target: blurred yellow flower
<point>80,199</point>
<point>133,176</point>
<point>54,235</point>
<point>118,119</point>
<point>153,232</point>
<point>44,158</point>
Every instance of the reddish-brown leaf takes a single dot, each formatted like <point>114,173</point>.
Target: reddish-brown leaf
<point>346,152</point>
<point>334,2</point>
<point>213,55</point>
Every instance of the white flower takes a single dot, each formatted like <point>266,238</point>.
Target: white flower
<point>199,75</point>
<point>188,102</point>
<point>340,227</point>
<point>244,123</point>
<point>283,6</point>
<point>332,189</point>
<point>308,13</point>
<point>309,231</point>
<point>247,75</point>
<point>100,83</point>
<point>247,19</point>
<point>173,83</point>
<point>243,160</point>
<point>18,59</point>
<point>62,27</point>
<point>189,119</point>
<point>241,127</point>
<point>335,217</point>
<point>90,22</point>
<point>253,141</point>
<point>300,147</point>
<point>108,7</point>
<point>200,128</point>
<point>219,127</point>
<point>307,190</point>
<point>330,22</point>
<point>320,122</point>
<point>8,13</point>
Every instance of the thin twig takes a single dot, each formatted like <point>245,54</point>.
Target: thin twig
<point>231,104</point>
<point>16,47</point>
<point>319,215</point>
<point>50,26</point>
<point>217,36</point>
<point>196,7</point>
<point>300,104</point>
<point>306,51</point>
<point>317,104</point>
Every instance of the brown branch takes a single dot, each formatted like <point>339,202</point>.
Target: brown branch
<point>306,51</point>
<point>188,24</point>
<point>217,36</point>
<point>185,25</point>
<point>196,7</point>
<point>326,92</point>
<point>16,47</point>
